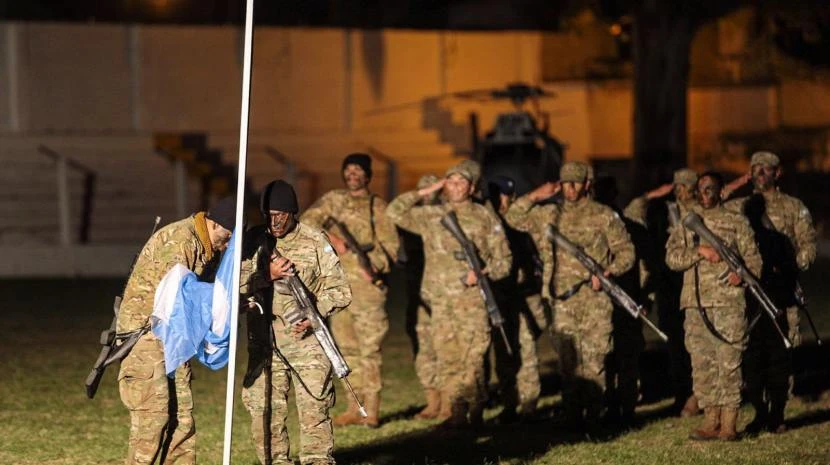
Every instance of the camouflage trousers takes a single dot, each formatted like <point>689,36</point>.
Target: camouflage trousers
<point>314,369</point>
<point>716,365</point>
<point>161,409</point>
<point>518,375</point>
<point>623,363</point>
<point>460,336</point>
<point>426,361</point>
<point>359,331</point>
<point>582,338</point>
<point>794,326</point>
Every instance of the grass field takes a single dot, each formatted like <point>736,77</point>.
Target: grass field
<point>49,331</point>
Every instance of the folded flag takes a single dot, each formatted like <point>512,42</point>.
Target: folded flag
<point>192,317</point>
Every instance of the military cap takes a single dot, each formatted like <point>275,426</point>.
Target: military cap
<point>223,212</point>
<point>685,176</point>
<point>765,158</point>
<point>591,175</point>
<point>573,171</point>
<point>426,180</point>
<point>470,169</point>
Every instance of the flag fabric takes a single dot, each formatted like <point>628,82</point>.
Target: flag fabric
<point>192,317</point>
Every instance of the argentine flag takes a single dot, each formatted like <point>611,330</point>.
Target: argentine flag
<point>192,317</point>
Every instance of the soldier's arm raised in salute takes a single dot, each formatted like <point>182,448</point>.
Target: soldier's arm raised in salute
<point>523,215</point>
<point>402,210</point>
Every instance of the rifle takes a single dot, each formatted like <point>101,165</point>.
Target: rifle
<point>361,252</point>
<point>694,222</point>
<point>115,346</point>
<point>611,288</point>
<point>801,302</point>
<point>307,310</point>
<point>450,221</point>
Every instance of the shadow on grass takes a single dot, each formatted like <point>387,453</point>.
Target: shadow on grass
<point>810,418</point>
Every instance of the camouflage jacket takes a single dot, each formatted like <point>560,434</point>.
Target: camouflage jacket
<point>790,217</point>
<point>354,213</point>
<point>317,265</point>
<point>178,242</point>
<point>594,227</point>
<point>444,261</point>
<point>700,276</point>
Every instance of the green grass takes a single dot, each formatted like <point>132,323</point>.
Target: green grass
<point>49,332</point>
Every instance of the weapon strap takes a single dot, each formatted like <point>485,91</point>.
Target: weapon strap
<point>372,226</point>
<point>573,290</point>
<point>705,317</point>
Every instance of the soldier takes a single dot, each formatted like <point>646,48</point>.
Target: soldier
<point>666,284</point>
<point>582,314</point>
<point>297,358</point>
<point>195,242</point>
<point>459,325</point>
<point>525,314</point>
<point>787,241</point>
<point>714,306</point>
<point>419,316</point>
<point>361,330</point>
<point>622,368</point>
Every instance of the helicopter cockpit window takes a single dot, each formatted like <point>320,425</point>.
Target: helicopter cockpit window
<point>514,128</point>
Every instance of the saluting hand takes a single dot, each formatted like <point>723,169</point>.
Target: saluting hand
<point>661,191</point>
<point>432,188</point>
<point>545,191</point>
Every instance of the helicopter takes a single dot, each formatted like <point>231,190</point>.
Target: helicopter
<point>519,145</point>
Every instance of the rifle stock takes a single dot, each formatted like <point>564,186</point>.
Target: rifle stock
<point>611,288</point>
<point>352,244</point>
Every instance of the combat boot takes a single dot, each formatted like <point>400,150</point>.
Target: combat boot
<point>728,424</point>
<point>775,423</point>
<point>433,408</point>
<point>458,416</point>
<point>372,404</point>
<point>477,414</point>
<point>690,408</point>
<point>710,427</point>
<point>761,417</point>
<point>351,416</point>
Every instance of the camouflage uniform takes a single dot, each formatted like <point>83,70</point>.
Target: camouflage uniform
<point>787,242</point>
<point>361,330</point>
<point>459,326</point>
<point>665,284</point>
<point>144,387</point>
<point>716,364</point>
<point>318,267</point>
<point>581,321</point>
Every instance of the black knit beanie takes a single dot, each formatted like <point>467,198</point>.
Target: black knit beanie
<point>223,213</point>
<point>360,159</point>
<point>280,196</point>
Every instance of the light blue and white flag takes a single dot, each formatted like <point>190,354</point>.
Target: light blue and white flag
<point>193,317</point>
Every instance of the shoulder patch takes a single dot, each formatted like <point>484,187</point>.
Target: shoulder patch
<point>328,248</point>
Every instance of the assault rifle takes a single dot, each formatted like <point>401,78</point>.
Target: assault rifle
<point>115,346</point>
<point>307,310</point>
<point>801,302</point>
<point>694,223</point>
<point>361,252</point>
<point>611,288</point>
<point>450,221</point>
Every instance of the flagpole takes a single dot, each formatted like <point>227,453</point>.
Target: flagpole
<point>240,212</point>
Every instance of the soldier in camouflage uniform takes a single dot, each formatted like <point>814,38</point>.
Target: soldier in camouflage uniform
<point>526,316</point>
<point>361,330</point>
<point>787,241</point>
<point>666,284</point>
<point>195,242</point>
<point>425,358</point>
<point>459,325</point>
<point>714,304</point>
<point>581,314</point>
<point>297,358</point>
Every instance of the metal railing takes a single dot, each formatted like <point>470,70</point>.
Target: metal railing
<point>62,165</point>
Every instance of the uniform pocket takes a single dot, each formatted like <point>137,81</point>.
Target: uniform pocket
<point>142,383</point>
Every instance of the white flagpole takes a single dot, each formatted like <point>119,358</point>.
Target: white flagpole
<point>240,211</point>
